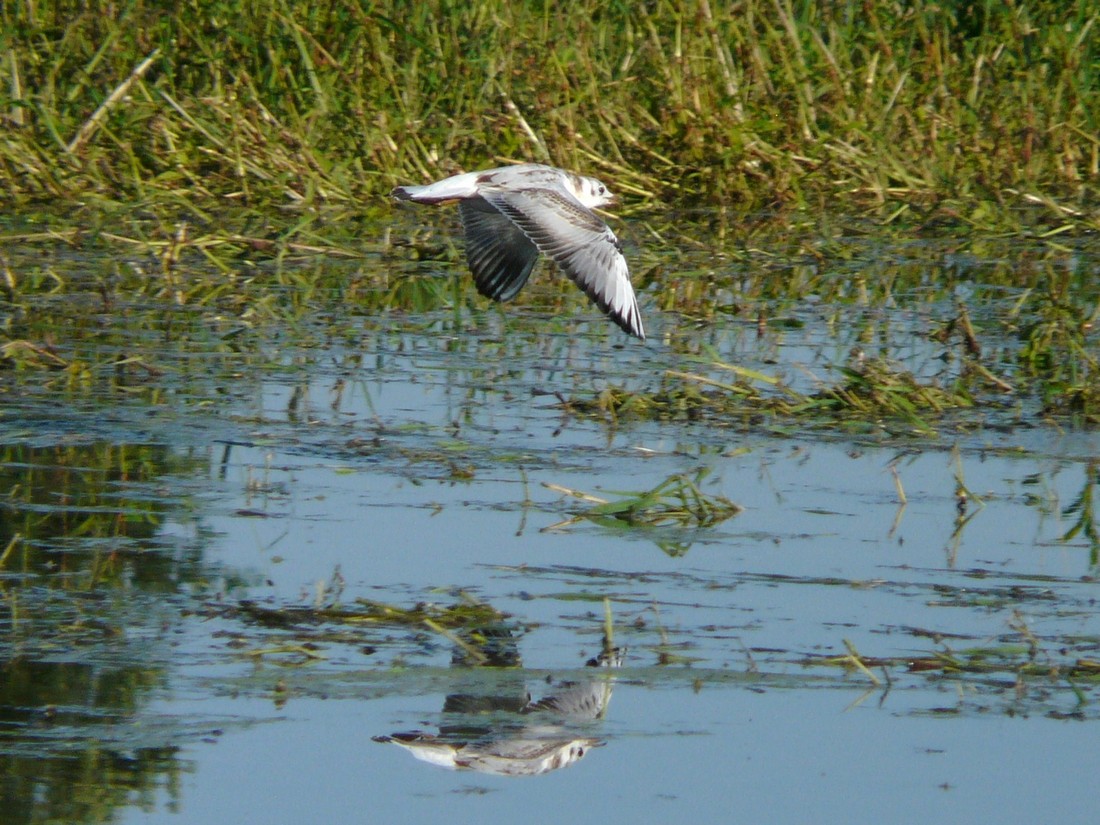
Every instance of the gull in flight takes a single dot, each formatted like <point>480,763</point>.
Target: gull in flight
<point>513,213</point>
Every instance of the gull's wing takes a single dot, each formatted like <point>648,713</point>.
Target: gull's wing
<point>499,254</point>
<point>576,700</point>
<point>582,245</point>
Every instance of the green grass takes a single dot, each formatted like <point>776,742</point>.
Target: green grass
<point>926,112</point>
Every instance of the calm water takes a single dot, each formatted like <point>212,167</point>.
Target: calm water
<point>166,655</point>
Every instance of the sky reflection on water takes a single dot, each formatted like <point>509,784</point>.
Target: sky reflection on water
<point>403,466</point>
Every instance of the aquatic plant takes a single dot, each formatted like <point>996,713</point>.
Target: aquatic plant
<point>678,500</point>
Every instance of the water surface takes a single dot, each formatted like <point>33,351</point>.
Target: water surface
<point>199,538</point>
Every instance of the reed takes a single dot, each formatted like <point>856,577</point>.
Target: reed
<point>963,111</point>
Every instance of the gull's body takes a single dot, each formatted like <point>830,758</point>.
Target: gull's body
<point>513,213</point>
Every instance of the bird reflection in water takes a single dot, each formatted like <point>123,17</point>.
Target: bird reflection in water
<point>498,728</point>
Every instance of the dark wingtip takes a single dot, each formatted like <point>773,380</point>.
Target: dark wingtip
<point>629,322</point>
<point>400,193</point>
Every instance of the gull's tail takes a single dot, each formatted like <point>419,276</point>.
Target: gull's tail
<point>448,189</point>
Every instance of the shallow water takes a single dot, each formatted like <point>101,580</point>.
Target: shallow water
<point>184,637</point>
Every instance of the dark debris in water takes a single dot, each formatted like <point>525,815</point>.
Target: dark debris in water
<point>365,612</point>
<point>365,625</point>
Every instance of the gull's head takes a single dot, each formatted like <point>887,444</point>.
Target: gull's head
<point>590,192</point>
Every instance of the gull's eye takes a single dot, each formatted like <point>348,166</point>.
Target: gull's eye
<point>602,190</point>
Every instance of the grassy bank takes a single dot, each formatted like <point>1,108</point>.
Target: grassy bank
<point>956,111</point>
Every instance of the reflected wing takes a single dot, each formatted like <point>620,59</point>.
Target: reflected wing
<point>582,245</point>
<point>577,700</point>
<point>500,256</point>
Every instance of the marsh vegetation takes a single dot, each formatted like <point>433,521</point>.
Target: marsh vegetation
<point>264,447</point>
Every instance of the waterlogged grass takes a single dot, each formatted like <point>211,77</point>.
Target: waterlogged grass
<point>932,335</point>
<point>483,634</point>
<point>1054,674</point>
<point>226,165</point>
<point>1037,667</point>
<point>678,500</point>
<point>868,392</point>
<point>927,335</point>
<point>871,392</point>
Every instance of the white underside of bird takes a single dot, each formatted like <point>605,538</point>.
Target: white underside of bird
<point>512,214</point>
<point>533,754</point>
